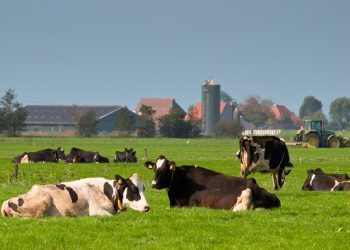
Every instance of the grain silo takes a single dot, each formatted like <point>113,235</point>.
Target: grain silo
<point>210,106</point>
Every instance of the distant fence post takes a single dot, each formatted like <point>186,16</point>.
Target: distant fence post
<point>15,170</point>
<point>145,153</point>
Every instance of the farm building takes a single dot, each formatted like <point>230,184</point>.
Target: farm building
<point>162,106</point>
<point>63,119</point>
<point>279,111</point>
<point>228,112</point>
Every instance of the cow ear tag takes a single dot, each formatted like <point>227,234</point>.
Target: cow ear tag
<point>150,166</point>
<point>172,167</point>
<point>120,182</point>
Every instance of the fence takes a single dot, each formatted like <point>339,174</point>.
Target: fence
<point>261,132</point>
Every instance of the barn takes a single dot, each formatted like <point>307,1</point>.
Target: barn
<point>62,119</point>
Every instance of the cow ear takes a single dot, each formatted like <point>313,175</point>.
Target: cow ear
<point>120,180</point>
<point>172,165</point>
<point>134,153</point>
<point>149,164</point>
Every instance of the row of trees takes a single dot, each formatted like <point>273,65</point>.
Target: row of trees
<point>258,111</point>
<point>339,112</point>
<point>254,109</point>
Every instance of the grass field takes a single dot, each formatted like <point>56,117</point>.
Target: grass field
<point>306,220</point>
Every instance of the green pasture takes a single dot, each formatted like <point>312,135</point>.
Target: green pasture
<point>306,220</point>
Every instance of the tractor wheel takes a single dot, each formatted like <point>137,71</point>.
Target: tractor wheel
<point>313,140</point>
<point>334,142</point>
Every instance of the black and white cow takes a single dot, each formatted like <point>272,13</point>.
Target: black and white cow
<point>77,155</point>
<point>128,155</point>
<point>317,180</point>
<point>264,154</point>
<point>197,186</point>
<point>91,196</point>
<point>45,155</point>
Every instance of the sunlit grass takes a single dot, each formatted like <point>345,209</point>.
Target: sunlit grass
<point>306,220</point>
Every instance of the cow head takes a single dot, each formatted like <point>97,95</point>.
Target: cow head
<point>58,154</point>
<point>130,193</point>
<point>164,172</point>
<point>249,153</point>
<point>72,156</point>
<point>130,155</point>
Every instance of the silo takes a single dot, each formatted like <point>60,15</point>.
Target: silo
<point>210,106</point>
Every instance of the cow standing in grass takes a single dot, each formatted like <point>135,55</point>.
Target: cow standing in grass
<point>264,154</point>
<point>196,186</point>
<point>91,196</point>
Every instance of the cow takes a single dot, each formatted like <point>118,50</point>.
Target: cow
<point>196,186</point>
<point>45,155</point>
<point>77,155</point>
<point>264,154</point>
<point>90,196</point>
<point>128,155</point>
<point>317,180</point>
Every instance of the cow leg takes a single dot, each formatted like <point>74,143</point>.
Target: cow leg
<point>275,180</point>
<point>28,205</point>
<point>244,172</point>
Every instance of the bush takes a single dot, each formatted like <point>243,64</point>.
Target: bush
<point>231,129</point>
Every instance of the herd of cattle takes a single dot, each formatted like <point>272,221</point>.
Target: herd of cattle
<point>76,155</point>
<point>186,185</point>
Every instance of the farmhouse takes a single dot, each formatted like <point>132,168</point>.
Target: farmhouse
<point>281,111</point>
<point>162,106</point>
<point>63,119</point>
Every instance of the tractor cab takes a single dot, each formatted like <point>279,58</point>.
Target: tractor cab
<point>313,125</point>
<point>314,134</point>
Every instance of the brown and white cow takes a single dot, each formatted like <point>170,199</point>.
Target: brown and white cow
<point>90,196</point>
<point>196,186</point>
<point>317,180</point>
<point>264,154</point>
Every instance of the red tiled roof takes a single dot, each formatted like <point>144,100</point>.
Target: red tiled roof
<point>162,106</point>
<point>278,110</point>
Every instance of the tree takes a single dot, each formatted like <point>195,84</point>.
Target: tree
<point>257,111</point>
<point>125,122</point>
<point>310,106</point>
<point>147,124</point>
<point>230,129</point>
<point>87,124</point>
<point>12,114</point>
<point>173,125</point>
<point>319,115</point>
<point>340,112</point>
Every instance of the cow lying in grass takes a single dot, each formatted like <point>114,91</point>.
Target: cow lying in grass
<point>45,155</point>
<point>197,186</point>
<point>317,180</point>
<point>91,196</point>
<point>128,155</point>
<point>77,155</point>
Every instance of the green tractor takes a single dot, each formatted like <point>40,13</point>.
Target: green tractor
<point>314,134</point>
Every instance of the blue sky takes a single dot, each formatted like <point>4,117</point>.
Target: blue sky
<point>115,52</point>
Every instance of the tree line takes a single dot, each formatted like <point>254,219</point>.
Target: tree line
<point>253,109</point>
